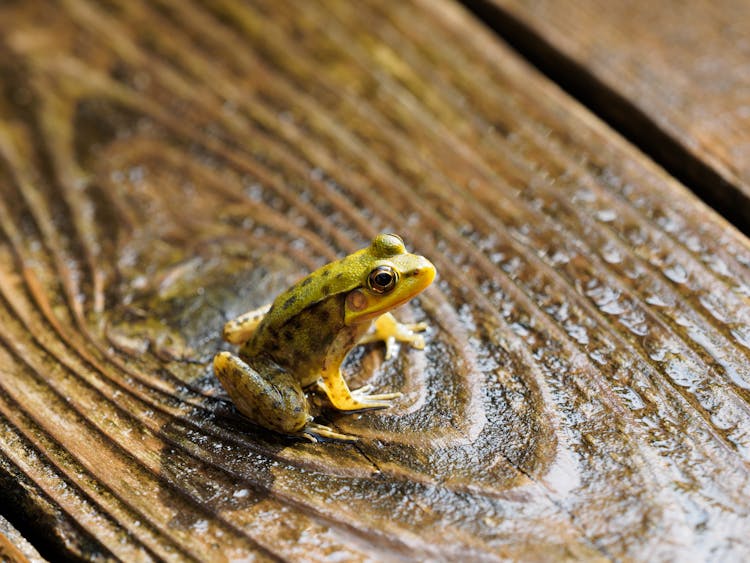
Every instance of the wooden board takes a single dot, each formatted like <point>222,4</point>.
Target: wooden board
<point>167,165</point>
<point>674,76</point>
<point>14,548</point>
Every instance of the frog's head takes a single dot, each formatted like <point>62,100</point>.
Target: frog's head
<point>390,277</point>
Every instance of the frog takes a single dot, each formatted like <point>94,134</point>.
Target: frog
<point>299,342</point>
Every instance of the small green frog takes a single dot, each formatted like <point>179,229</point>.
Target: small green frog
<point>301,339</point>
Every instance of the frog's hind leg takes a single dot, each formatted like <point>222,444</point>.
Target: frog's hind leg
<point>273,399</point>
<point>239,330</point>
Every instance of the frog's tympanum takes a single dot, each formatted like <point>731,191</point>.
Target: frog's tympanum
<point>301,340</point>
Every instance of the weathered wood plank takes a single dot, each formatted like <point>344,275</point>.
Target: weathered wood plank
<point>674,76</point>
<point>14,548</point>
<point>166,165</point>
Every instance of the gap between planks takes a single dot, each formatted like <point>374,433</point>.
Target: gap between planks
<point>618,111</point>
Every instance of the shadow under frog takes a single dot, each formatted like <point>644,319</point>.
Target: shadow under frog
<point>220,460</point>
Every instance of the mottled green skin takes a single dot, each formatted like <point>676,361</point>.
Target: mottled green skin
<point>338,277</point>
<point>306,334</point>
<point>303,345</point>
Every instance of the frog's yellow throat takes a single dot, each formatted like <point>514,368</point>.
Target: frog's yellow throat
<point>363,305</point>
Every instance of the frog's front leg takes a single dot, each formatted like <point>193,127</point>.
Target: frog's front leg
<point>390,331</point>
<point>239,330</point>
<point>270,397</point>
<point>337,391</point>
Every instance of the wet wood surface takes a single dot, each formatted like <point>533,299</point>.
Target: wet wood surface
<point>14,548</point>
<point>674,75</point>
<point>167,165</point>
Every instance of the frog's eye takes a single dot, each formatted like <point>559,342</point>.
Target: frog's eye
<point>382,279</point>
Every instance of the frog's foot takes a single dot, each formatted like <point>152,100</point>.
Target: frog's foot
<point>241,329</point>
<point>360,399</point>
<point>363,394</point>
<point>313,432</point>
<point>390,331</point>
<point>263,393</point>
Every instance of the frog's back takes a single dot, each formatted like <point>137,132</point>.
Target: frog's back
<point>301,344</point>
<point>338,277</point>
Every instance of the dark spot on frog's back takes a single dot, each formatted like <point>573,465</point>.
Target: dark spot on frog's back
<point>325,273</point>
<point>306,282</point>
<point>289,302</point>
<point>326,289</point>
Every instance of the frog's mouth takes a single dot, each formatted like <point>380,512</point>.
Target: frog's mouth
<point>363,305</point>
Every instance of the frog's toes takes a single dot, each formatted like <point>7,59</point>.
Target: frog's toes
<point>313,431</point>
<point>389,330</point>
<point>362,395</point>
<point>338,393</point>
<point>417,342</point>
<point>406,336</point>
<point>390,347</point>
<point>403,334</point>
<point>408,333</point>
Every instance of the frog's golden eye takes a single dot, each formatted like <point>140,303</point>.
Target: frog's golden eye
<point>382,279</point>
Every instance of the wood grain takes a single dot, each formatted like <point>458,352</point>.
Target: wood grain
<point>9,552</point>
<point>673,76</point>
<point>167,165</point>
<point>14,548</point>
